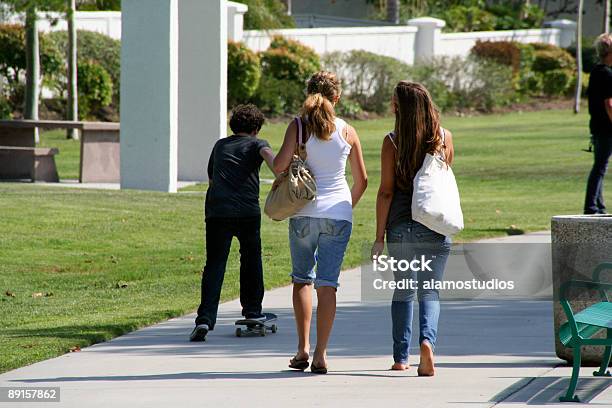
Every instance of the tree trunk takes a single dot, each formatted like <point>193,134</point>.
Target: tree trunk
<point>73,101</point>
<point>578,57</point>
<point>606,17</point>
<point>289,12</point>
<point>32,67</point>
<point>393,11</point>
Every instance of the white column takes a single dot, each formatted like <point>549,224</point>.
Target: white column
<point>235,20</point>
<point>567,28</point>
<point>427,38</point>
<point>149,90</point>
<point>202,102</point>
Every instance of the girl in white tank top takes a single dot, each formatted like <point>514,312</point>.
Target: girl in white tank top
<point>320,232</point>
<point>327,160</point>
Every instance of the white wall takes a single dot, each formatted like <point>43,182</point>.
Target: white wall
<point>456,44</point>
<point>396,42</point>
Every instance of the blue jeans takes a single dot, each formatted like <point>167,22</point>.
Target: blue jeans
<point>594,201</point>
<point>411,240</point>
<point>317,249</point>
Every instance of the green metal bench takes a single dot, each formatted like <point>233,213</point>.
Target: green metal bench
<point>582,326</point>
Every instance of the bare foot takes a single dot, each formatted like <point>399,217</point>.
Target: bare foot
<point>426,365</point>
<point>301,356</point>
<point>319,360</point>
<point>300,361</point>
<point>399,367</point>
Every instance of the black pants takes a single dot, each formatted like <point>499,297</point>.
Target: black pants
<point>219,234</point>
<point>594,202</point>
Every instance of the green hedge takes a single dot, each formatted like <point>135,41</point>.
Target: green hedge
<point>286,66</point>
<point>95,88</point>
<point>539,68</point>
<point>243,73</point>
<point>96,47</point>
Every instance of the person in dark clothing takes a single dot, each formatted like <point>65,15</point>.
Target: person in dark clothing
<point>600,109</point>
<point>232,210</point>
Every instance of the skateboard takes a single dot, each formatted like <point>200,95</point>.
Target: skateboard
<point>256,327</point>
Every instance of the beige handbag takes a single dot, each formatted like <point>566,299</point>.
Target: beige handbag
<point>294,188</point>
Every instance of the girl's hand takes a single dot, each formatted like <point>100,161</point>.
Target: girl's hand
<point>377,248</point>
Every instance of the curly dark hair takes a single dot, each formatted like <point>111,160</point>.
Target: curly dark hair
<point>246,119</point>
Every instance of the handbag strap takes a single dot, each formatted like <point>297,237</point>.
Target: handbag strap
<point>298,121</point>
<point>300,149</point>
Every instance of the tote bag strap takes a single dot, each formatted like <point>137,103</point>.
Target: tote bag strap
<point>443,150</point>
<point>391,136</point>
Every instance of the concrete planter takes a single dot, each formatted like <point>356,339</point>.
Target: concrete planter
<point>579,244</point>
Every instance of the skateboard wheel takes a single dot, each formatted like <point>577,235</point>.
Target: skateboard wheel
<point>238,332</point>
<point>274,328</point>
<point>263,331</point>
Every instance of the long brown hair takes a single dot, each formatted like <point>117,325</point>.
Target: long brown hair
<point>318,110</point>
<point>417,130</point>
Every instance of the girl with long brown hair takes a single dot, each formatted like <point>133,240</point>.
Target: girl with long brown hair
<point>319,233</point>
<point>417,132</point>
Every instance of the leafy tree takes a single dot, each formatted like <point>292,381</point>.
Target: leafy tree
<point>30,7</point>
<point>99,5</point>
<point>266,15</point>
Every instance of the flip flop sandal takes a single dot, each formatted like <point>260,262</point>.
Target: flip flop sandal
<point>318,370</point>
<point>298,364</point>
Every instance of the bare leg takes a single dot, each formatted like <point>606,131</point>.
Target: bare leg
<point>302,308</point>
<point>326,312</point>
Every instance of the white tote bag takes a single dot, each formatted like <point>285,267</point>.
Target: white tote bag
<point>435,198</point>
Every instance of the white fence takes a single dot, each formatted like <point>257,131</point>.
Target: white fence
<point>453,44</point>
<point>397,42</point>
<point>421,38</point>
<point>104,22</point>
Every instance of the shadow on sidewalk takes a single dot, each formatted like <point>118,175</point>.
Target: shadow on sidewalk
<point>479,328</point>
<point>547,390</point>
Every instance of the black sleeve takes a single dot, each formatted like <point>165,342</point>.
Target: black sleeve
<point>211,163</point>
<point>606,85</point>
<point>261,143</point>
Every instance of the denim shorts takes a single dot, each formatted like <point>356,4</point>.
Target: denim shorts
<point>317,249</point>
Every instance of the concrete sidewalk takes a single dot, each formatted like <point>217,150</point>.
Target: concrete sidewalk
<point>489,354</point>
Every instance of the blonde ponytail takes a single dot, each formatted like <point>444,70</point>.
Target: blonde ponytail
<point>318,110</point>
<point>318,115</point>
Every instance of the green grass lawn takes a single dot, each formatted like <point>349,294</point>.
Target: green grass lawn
<point>81,266</point>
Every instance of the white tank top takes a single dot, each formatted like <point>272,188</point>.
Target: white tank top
<point>327,160</point>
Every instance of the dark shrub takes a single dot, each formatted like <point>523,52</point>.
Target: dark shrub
<point>556,82</point>
<point>553,59</point>
<point>286,66</point>
<point>243,73</point>
<point>589,55</point>
<point>93,46</point>
<point>502,52</point>
<point>95,88</point>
